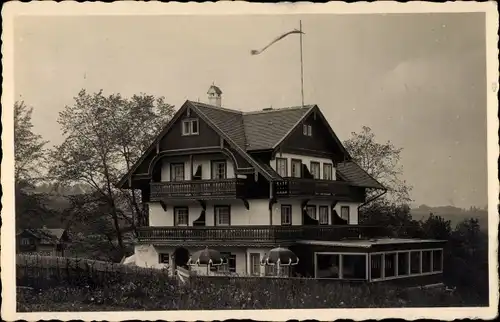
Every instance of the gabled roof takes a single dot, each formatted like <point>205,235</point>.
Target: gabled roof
<point>45,235</point>
<point>260,130</point>
<point>355,175</point>
<point>221,120</point>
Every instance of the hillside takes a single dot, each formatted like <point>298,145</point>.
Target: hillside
<point>453,214</point>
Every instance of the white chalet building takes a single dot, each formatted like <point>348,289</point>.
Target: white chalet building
<point>245,182</point>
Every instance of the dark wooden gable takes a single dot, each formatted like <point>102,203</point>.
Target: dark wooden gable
<point>320,144</point>
<point>174,140</point>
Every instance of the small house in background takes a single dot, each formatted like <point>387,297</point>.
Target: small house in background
<point>42,241</point>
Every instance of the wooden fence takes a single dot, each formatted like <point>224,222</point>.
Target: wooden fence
<point>41,271</point>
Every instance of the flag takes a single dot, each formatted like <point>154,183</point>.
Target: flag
<point>295,31</point>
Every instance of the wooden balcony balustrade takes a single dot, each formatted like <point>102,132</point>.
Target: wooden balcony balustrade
<point>311,187</point>
<point>230,188</point>
<point>259,233</point>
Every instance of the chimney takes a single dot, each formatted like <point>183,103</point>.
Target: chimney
<point>214,96</point>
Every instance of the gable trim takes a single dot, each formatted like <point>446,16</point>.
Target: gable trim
<point>156,141</point>
<point>158,157</point>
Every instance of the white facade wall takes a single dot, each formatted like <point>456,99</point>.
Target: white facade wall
<point>203,160</point>
<point>240,216</point>
<point>149,256</point>
<point>305,160</point>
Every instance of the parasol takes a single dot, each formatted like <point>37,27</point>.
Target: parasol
<point>209,257</point>
<point>280,256</point>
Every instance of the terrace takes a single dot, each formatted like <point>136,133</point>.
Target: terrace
<point>256,234</point>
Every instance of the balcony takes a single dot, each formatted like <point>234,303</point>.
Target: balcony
<point>258,234</point>
<point>292,187</point>
<point>201,189</point>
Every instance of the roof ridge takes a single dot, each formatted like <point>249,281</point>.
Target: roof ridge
<point>217,107</point>
<point>278,109</point>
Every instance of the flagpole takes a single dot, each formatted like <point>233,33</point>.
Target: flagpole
<point>301,65</point>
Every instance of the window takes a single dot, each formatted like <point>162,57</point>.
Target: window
<point>353,266</point>
<point>163,259</point>
<point>403,261</point>
<point>218,169</point>
<point>426,261</point>
<point>327,266</point>
<point>415,262</point>
<point>437,257</point>
<point>311,211</point>
<point>255,264</point>
<point>296,168</point>
<point>177,172</point>
<point>323,215</point>
<point>286,215</point>
<point>390,265</point>
<point>327,171</point>
<point>25,241</point>
<point>190,127</point>
<point>344,213</point>
<point>222,215</point>
<point>315,170</point>
<point>181,216</point>
<point>307,130</point>
<point>282,167</point>
<point>376,266</point>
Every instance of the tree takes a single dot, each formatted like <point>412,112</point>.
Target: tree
<point>29,157</point>
<point>381,161</point>
<point>29,148</point>
<point>435,227</point>
<point>395,218</point>
<point>103,137</point>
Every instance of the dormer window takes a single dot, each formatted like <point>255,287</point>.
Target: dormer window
<point>307,130</point>
<point>190,127</point>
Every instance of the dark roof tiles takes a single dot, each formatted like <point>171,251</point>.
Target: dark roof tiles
<point>265,129</point>
<point>355,175</point>
<point>228,121</point>
<point>257,130</point>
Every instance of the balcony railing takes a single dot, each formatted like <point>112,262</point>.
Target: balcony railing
<point>312,187</point>
<point>259,233</point>
<point>199,189</point>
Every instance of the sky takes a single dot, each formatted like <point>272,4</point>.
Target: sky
<point>418,80</point>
